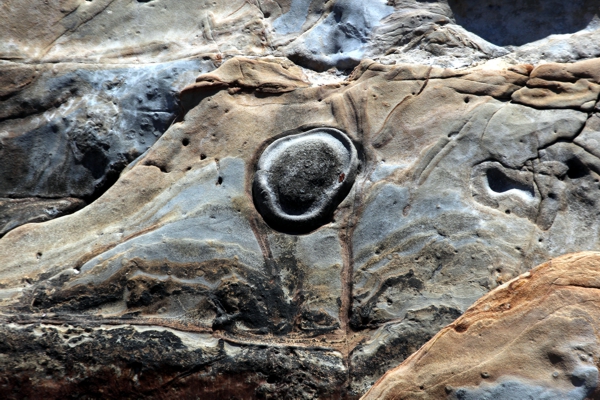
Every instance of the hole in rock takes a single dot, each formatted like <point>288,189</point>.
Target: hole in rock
<point>555,358</point>
<point>500,183</point>
<point>96,161</point>
<point>518,22</point>
<point>576,169</point>
<point>111,175</point>
<point>579,380</point>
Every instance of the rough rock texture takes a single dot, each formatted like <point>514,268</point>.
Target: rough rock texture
<point>86,86</point>
<point>301,179</point>
<point>535,337</point>
<point>210,240</point>
<point>68,130</point>
<point>442,210</point>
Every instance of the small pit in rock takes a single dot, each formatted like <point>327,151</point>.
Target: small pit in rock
<point>576,169</point>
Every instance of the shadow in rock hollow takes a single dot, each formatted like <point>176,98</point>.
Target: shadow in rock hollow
<point>518,22</point>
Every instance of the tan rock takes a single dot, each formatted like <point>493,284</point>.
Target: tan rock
<point>562,86</point>
<point>266,76</point>
<point>588,69</point>
<point>533,337</point>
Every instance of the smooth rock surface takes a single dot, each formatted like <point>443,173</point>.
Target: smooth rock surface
<point>535,337</point>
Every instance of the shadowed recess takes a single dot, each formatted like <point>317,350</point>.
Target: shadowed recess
<point>501,183</point>
<point>518,22</point>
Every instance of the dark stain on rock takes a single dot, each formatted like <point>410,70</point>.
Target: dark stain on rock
<point>245,301</point>
<point>117,363</point>
<point>365,315</point>
<point>404,339</point>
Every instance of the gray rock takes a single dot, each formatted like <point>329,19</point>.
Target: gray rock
<point>340,40</point>
<point>206,261</point>
<point>16,212</point>
<point>71,130</point>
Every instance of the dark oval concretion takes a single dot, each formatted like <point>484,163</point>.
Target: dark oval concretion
<point>300,179</point>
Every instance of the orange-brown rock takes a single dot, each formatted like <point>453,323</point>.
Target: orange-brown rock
<point>534,337</point>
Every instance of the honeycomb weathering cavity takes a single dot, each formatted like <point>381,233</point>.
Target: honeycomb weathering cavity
<point>300,179</point>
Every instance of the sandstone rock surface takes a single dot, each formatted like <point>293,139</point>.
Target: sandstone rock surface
<point>535,337</point>
<point>277,199</point>
<point>442,210</point>
<point>88,85</point>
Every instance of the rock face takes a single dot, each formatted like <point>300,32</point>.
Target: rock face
<point>534,337</point>
<point>178,246</point>
<point>68,130</point>
<point>86,86</point>
<point>195,204</point>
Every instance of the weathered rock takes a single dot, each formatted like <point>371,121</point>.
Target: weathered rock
<point>301,178</point>
<point>562,86</point>
<point>66,66</point>
<point>458,191</point>
<point>15,212</point>
<point>534,337</point>
<point>69,130</point>
<point>188,274</point>
<point>313,33</point>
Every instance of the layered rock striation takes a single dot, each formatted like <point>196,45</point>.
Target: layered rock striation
<point>534,337</point>
<point>231,199</point>
<point>444,207</point>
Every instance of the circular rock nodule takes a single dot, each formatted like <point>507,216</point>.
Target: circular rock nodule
<point>300,179</point>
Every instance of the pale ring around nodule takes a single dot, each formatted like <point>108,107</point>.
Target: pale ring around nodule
<point>300,179</point>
